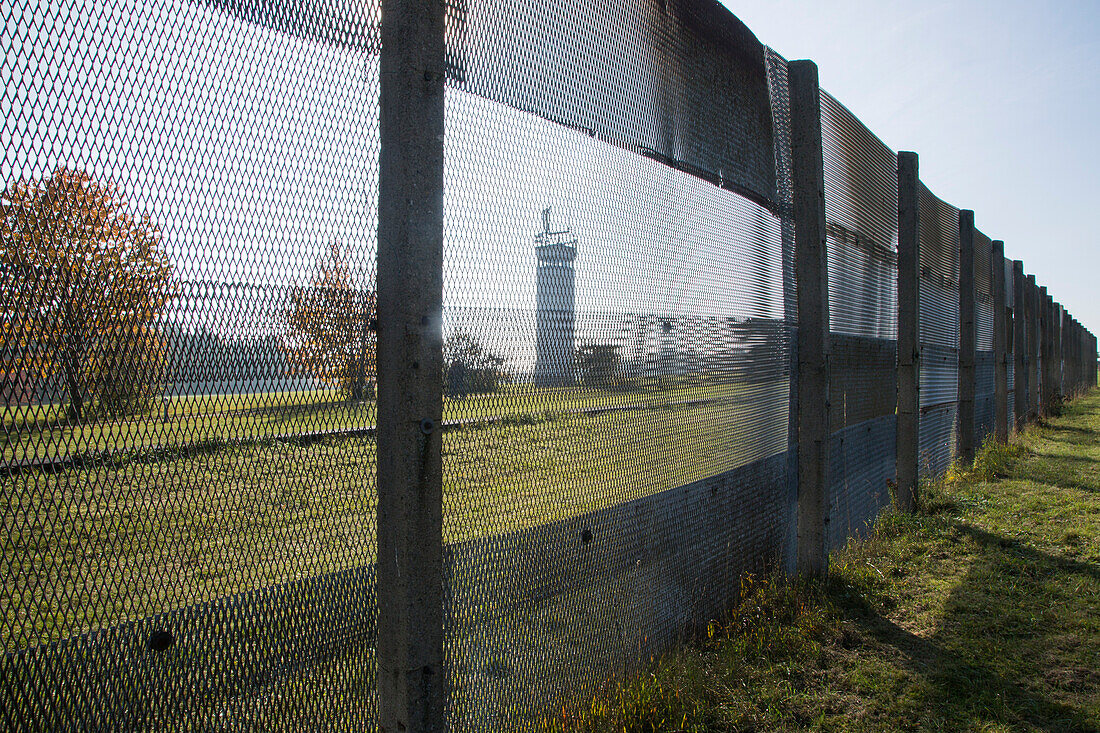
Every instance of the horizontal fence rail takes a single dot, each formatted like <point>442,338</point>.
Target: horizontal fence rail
<point>430,366</point>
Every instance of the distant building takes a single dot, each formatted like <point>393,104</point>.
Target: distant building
<point>555,313</point>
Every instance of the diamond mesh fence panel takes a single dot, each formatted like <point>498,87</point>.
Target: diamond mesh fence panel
<point>861,237</point>
<point>189,319</point>
<point>983,334</point>
<point>939,332</point>
<point>1010,337</point>
<point>615,333</point>
<point>188,230</point>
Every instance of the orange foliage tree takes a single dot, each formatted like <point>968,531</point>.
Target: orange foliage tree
<point>331,332</point>
<point>82,283</point>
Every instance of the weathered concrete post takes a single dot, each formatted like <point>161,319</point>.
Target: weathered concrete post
<point>1032,348</point>
<point>410,368</point>
<point>908,429</point>
<point>967,335</point>
<point>1019,339</point>
<point>812,278</point>
<point>1000,344</point>
<point>1044,351</point>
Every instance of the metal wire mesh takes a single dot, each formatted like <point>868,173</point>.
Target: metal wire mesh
<point>1010,337</point>
<point>861,236</point>
<point>189,319</point>
<point>983,329</point>
<point>187,494</point>
<point>681,81</point>
<point>939,331</point>
<point>632,317</point>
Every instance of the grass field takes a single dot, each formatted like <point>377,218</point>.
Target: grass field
<point>979,613</point>
<point>38,433</point>
<point>144,533</point>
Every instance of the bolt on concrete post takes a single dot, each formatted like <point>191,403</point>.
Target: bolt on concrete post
<point>812,278</point>
<point>1000,345</point>
<point>908,428</point>
<point>1032,348</point>
<point>967,345</point>
<point>1019,342</point>
<point>410,680</point>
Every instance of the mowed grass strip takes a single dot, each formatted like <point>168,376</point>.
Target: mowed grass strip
<point>90,546</point>
<point>979,613</point>
<point>38,433</point>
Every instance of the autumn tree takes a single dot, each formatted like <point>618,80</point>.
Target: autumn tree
<point>600,365</point>
<point>470,368</point>
<point>82,283</point>
<point>331,329</point>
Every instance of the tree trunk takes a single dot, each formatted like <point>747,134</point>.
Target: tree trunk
<point>72,386</point>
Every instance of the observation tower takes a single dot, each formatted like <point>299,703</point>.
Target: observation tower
<point>555,314</point>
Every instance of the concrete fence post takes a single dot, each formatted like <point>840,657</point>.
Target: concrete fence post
<point>908,348</point>
<point>410,679</point>
<point>1019,342</point>
<point>967,347</point>
<point>812,278</point>
<point>1032,348</point>
<point>1000,344</point>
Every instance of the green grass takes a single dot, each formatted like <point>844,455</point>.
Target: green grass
<point>146,532</point>
<point>979,613</point>
<point>39,432</point>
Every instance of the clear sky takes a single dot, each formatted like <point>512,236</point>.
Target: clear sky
<point>1000,99</point>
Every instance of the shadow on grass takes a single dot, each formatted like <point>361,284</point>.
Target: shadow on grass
<point>964,688</point>
<point>1085,435</point>
<point>1004,651</point>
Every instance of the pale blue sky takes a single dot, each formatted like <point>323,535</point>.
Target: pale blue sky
<point>1000,99</point>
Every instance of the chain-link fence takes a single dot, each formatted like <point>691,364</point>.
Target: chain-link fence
<point>210,404</point>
